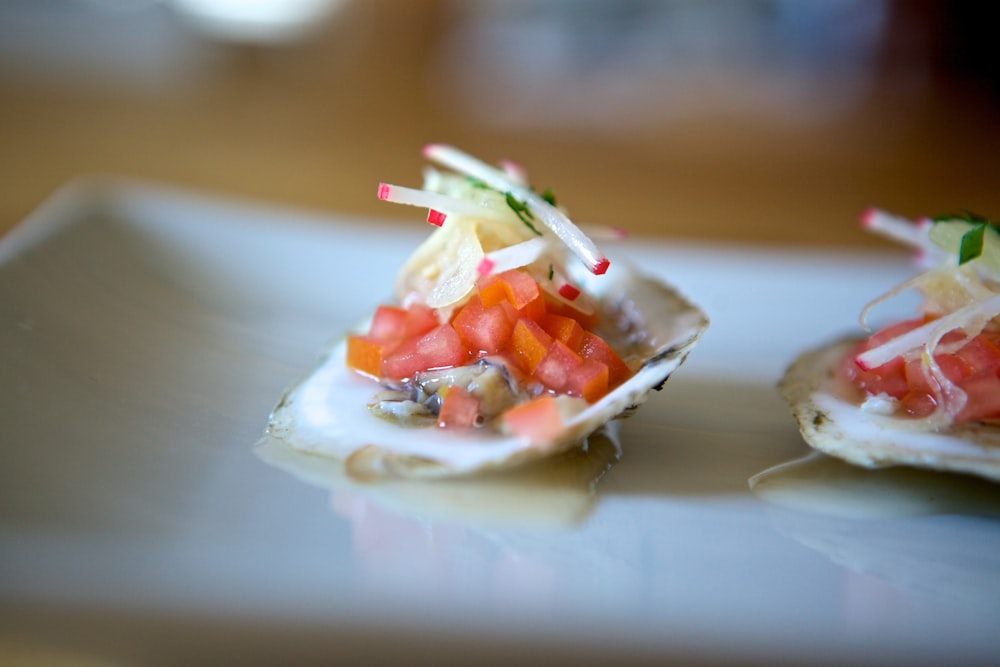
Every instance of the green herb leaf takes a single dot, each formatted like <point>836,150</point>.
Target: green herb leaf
<point>972,244</point>
<point>522,211</point>
<point>552,272</point>
<point>549,197</point>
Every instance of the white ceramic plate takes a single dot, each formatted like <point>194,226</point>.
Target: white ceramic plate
<point>145,334</point>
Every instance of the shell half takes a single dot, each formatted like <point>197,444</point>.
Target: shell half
<point>327,412</point>
<point>831,419</point>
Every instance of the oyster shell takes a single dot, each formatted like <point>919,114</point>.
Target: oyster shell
<point>327,412</point>
<point>832,420</point>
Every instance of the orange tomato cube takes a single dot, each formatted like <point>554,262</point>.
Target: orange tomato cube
<point>529,344</point>
<point>564,328</point>
<point>365,354</point>
<point>517,288</point>
<point>558,306</point>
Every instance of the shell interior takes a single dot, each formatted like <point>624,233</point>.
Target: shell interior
<point>831,420</point>
<point>327,412</point>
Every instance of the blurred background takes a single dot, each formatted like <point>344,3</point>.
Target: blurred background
<point>758,121</point>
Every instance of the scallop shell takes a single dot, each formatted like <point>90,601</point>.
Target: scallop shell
<point>831,420</point>
<point>327,414</point>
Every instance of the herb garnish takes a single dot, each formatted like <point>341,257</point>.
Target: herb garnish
<point>522,211</point>
<point>549,197</point>
<point>971,245</point>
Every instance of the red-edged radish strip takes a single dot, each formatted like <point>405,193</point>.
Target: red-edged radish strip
<point>970,319</point>
<point>512,257</point>
<point>900,229</point>
<point>439,204</point>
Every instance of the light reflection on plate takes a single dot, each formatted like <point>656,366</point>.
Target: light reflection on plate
<point>558,491</point>
<point>892,529</point>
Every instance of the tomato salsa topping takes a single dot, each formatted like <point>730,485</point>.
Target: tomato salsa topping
<point>944,366</point>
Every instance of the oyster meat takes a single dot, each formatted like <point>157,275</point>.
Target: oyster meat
<point>491,224</point>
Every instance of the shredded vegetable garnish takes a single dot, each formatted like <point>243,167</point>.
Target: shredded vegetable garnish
<point>548,214</point>
<point>961,301</point>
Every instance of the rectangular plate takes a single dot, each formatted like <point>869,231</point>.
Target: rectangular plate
<point>146,333</point>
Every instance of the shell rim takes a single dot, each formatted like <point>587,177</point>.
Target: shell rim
<point>820,402</point>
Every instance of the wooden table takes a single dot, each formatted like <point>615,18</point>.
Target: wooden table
<point>320,123</point>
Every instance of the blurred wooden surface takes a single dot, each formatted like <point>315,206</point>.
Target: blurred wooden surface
<point>319,124</point>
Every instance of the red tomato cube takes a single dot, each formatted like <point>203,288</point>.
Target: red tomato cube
<point>460,408</point>
<point>983,391</point>
<point>394,323</point>
<point>484,330</point>
<point>388,323</point>
<point>557,366</point>
<point>538,419</point>
<point>595,348</point>
<point>980,353</point>
<point>439,348</point>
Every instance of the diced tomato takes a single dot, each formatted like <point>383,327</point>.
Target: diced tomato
<point>983,391</point>
<point>529,343</point>
<point>595,348</point>
<point>563,328</point>
<point>459,408</point>
<point>394,323</point>
<point>439,348</point>
<point>557,366</point>
<point>953,368</point>
<point>388,323</point>
<point>557,306</point>
<point>485,330</point>
<point>419,320</point>
<point>366,354</point>
<point>589,381</point>
<point>538,419</point>
<point>973,368</point>
<point>980,353</point>
<point>918,403</point>
<point>889,378</point>
<point>517,288</point>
